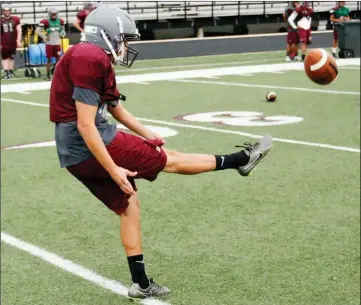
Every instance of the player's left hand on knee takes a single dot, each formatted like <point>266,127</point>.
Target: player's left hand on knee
<point>157,137</point>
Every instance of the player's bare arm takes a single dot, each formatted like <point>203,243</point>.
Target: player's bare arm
<point>18,37</point>
<point>127,119</point>
<point>39,32</point>
<point>334,19</point>
<point>86,126</point>
<point>76,24</point>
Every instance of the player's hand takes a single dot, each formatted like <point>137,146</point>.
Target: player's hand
<point>120,176</point>
<point>155,136</point>
<point>19,44</point>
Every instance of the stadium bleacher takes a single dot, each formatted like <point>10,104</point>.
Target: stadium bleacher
<point>32,12</point>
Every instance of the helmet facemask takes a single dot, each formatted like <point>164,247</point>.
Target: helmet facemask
<point>119,48</point>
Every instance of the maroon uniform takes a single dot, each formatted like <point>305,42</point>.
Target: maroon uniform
<point>88,67</point>
<point>304,13</point>
<point>292,35</point>
<point>82,16</point>
<point>9,36</point>
<point>52,47</point>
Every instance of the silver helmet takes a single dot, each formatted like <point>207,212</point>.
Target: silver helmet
<point>53,11</point>
<point>111,29</point>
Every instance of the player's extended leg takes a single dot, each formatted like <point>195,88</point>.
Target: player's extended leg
<point>244,161</point>
<point>131,236</point>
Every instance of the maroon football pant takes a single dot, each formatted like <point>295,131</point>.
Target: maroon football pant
<point>130,152</point>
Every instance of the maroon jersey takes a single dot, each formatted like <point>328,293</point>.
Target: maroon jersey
<point>82,16</point>
<point>46,23</point>
<point>304,11</point>
<point>8,29</point>
<point>83,65</point>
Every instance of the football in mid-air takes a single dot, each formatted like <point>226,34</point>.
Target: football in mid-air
<point>271,96</point>
<point>321,67</point>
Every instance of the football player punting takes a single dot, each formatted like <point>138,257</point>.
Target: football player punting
<point>300,20</point>
<point>108,161</point>
<point>292,35</point>
<point>339,13</point>
<point>10,39</point>
<point>54,27</point>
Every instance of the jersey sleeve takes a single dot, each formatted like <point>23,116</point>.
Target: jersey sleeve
<point>16,20</point>
<point>298,10</point>
<point>87,72</point>
<point>81,15</point>
<point>111,92</point>
<point>44,23</point>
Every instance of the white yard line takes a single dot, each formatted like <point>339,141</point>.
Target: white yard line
<point>24,102</point>
<point>265,86</point>
<point>141,83</point>
<point>219,130</point>
<point>73,268</point>
<point>186,74</point>
<point>350,68</point>
<point>259,61</point>
<point>24,92</point>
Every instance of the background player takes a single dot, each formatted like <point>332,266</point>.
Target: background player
<point>54,27</point>
<point>10,39</point>
<point>107,161</point>
<point>339,13</point>
<point>300,20</point>
<point>292,35</point>
<point>80,18</point>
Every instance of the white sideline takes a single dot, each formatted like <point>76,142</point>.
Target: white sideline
<point>265,86</point>
<point>73,268</point>
<point>162,76</point>
<point>342,148</point>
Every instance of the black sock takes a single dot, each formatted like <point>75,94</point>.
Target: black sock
<point>288,54</point>
<point>303,56</point>
<point>136,266</point>
<point>231,161</point>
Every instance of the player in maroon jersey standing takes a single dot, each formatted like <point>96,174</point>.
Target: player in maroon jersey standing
<point>81,16</point>
<point>10,40</point>
<point>292,35</point>
<point>300,20</point>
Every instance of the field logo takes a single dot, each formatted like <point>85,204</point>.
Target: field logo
<point>240,118</point>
